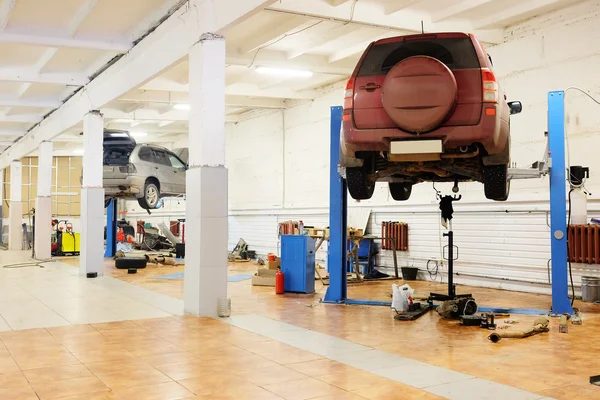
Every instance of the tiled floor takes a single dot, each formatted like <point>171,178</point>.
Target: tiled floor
<point>55,295</point>
<point>174,356</point>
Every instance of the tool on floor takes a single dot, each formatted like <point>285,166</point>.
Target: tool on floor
<point>576,318</point>
<point>595,380</point>
<point>540,325</point>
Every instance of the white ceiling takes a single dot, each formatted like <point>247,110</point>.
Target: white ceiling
<point>50,49</point>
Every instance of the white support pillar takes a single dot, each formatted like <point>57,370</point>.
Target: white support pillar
<point>43,203</point>
<point>15,211</point>
<point>92,196</point>
<point>206,206</point>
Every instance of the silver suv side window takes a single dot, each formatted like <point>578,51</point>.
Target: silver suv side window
<point>145,154</point>
<point>175,162</point>
<point>160,157</point>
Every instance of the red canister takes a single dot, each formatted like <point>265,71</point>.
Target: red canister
<point>279,279</point>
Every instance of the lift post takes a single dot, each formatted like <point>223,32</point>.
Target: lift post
<point>554,166</point>
<point>111,229</point>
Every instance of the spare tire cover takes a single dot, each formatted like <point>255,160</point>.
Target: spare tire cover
<point>419,93</point>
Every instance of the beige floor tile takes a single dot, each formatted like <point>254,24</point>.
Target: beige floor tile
<point>292,356</point>
<point>41,359</point>
<point>24,392</point>
<point>109,353</point>
<point>191,370</point>
<point>61,331</point>
<point>271,375</point>
<point>162,391</point>
<point>320,367</point>
<point>127,378</point>
<point>57,373</point>
<point>95,396</point>
<point>395,391</point>
<point>8,364</point>
<point>12,379</point>
<point>49,390</point>
<point>217,384</point>
<point>303,389</point>
<point>111,367</point>
<point>159,360</point>
<point>252,393</point>
<point>342,396</point>
<point>354,380</point>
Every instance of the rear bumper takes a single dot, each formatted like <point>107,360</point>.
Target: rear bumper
<point>492,132</point>
<point>126,186</point>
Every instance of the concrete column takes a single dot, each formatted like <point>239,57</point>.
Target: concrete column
<point>15,211</point>
<point>92,196</point>
<point>206,206</point>
<point>43,203</point>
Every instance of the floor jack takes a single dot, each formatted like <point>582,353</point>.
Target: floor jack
<point>452,305</point>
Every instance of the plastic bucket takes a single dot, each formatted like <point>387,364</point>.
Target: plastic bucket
<point>224,307</point>
<point>590,288</point>
<point>409,273</point>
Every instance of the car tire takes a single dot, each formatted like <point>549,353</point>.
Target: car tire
<point>131,262</point>
<point>358,182</point>
<point>400,191</point>
<point>495,182</point>
<point>151,196</point>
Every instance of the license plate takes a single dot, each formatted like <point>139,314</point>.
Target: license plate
<point>416,147</point>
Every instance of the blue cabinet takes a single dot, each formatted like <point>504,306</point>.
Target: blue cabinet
<point>298,263</point>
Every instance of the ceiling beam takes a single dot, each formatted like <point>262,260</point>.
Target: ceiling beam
<point>21,118</point>
<point>148,116</point>
<point>12,132</point>
<point>165,45</point>
<point>335,3</point>
<point>266,36</point>
<point>318,40</point>
<point>355,49</point>
<point>48,40</point>
<point>239,89</point>
<point>5,12</point>
<point>39,103</point>
<point>457,9</point>
<point>162,97</point>
<point>398,5</point>
<point>500,18</point>
<point>24,75</point>
<point>272,58</point>
<point>408,21</point>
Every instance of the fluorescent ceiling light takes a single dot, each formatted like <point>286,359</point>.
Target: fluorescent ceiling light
<point>300,73</point>
<point>78,151</point>
<point>139,134</point>
<point>181,106</point>
<point>118,134</point>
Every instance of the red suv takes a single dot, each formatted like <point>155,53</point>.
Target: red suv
<point>425,108</point>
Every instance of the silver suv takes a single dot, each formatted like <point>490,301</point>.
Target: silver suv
<point>144,172</point>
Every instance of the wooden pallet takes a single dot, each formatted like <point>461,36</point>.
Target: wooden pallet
<point>318,232</point>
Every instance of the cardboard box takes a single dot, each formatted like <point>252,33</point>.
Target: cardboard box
<point>264,277</point>
<point>273,264</point>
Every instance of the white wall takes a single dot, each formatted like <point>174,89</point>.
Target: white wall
<point>279,164</point>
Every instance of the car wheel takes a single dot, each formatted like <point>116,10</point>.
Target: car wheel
<point>151,196</point>
<point>131,262</point>
<point>400,191</point>
<point>359,184</point>
<point>495,182</point>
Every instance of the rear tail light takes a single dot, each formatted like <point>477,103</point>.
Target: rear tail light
<point>490,86</point>
<point>128,169</point>
<point>349,95</point>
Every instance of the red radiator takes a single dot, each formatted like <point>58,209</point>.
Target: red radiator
<point>394,233</point>
<point>584,244</point>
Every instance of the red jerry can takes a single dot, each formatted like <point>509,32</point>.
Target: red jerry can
<point>279,278</point>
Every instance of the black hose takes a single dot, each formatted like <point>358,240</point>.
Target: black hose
<point>568,255</point>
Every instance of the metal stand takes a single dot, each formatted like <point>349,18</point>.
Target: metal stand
<point>111,229</point>
<point>451,286</point>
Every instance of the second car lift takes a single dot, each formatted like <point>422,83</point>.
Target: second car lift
<point>554,166</point>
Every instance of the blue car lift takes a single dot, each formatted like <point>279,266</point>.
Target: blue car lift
<point>554,166</point>
<point>111,229</point>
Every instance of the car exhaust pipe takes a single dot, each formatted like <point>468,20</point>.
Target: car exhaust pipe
<point>540,325</point>
<point>463,149</point>
<point>462,154</point>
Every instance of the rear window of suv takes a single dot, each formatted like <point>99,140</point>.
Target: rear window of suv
<point>456,53</point>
